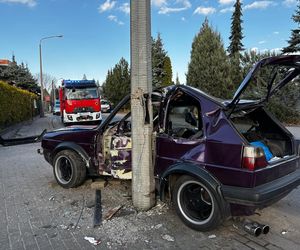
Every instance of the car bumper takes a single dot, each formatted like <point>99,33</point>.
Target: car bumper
<point>82,117</point>
<point>262,195</point>
<point>105,110</point>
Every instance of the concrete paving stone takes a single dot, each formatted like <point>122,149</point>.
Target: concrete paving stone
<point>232,244</point>
<point>29,242</point>
<point>283,243</point>
<point>3,233</point>
<point>273,247</point>
<point>254,245</point>
<point>25,227</point>
<point>2,211</point>
<point>84,244</point>
<point>43,242</point>
<point>4,244</point>
<point>15,241</point>
<point>241,239</point>
<point>65,234</point>
<point>71,243</point>
<point>258,240</point>
<point>13,228</point>
<point>30,246</point>
<point>23,215</point>
<point>57,244</point>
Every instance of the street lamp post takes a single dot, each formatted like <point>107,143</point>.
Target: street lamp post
<point>41,73</point>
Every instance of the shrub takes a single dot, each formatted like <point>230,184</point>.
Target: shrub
<point>16,105</point>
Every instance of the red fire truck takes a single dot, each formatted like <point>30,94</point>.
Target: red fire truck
<point>79,101</point>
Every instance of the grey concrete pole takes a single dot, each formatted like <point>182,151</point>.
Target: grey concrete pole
<point>143,186</point>
<point>41,80</point>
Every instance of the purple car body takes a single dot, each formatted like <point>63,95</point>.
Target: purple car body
<point>203,149</point>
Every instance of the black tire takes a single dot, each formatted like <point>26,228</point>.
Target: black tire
<point>196,204</point>
<point>69,169</point>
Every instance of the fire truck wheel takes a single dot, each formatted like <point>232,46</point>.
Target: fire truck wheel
<point>69,169</point>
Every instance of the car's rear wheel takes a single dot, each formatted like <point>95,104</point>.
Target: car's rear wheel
<point>196,204</point>
<point>69,169</point>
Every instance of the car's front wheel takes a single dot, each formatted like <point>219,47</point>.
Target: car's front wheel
<point>69,169</point>
<point>196,204</point>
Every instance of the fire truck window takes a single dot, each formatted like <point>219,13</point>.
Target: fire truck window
<point>77,94</point>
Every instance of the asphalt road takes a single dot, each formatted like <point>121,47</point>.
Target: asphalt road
<point>36,213</point>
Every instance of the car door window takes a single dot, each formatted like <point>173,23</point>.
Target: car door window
<point>184,118</point>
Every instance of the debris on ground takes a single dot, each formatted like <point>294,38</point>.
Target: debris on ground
<point>51,198</point>
<point>158,209</point>
<point>168,237</point>
<point>283,232</point>
<point>64,227</point>
<point>46,226</point>
<point>90,204</point>
<point>98,184</point>
<point>112,212</point>
<point>157,226</point>
<point>212,236</point>
<point>98,209</point>
<point>92,240</point>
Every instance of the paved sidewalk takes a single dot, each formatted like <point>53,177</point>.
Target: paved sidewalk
<point>32,127</point>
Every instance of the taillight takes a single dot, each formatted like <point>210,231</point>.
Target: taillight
<point>254,158</point>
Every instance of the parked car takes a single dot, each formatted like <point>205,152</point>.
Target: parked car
<point>213,158</point>
<point>56,108</point>
<point>105,106</point>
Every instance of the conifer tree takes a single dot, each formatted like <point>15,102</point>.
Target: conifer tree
<point>235,47</point>
<point>209,67</point>
<point>19,75</point>
<point>167,67</point>
<point>294,41</point>
<point>161,64</point>
<point>117,83</point>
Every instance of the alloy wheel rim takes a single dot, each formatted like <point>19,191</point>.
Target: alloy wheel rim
<point>195,202</point>
<point>63,169</point>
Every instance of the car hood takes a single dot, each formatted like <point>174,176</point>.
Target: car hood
<point>77,127</point>
<point>291,61</point>
<point>72,133</point>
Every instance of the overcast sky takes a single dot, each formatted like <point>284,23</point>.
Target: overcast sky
<point>96,32</point>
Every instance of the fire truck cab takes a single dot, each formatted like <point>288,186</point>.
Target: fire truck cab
<point>79,101</point>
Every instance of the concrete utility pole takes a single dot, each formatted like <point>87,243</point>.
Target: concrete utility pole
<point>143,186</point>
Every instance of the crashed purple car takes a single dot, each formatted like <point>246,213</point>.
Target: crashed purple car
<point>213,158</point>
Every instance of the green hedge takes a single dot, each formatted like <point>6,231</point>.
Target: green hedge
<point>16,105</point>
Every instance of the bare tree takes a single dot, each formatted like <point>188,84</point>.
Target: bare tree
<point>47,81</point>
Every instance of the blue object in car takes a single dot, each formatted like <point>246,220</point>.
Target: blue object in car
<point>265,148</point>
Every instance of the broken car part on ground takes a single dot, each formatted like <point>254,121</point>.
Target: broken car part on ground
<point>23,140</point>
<point>213,158</point>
